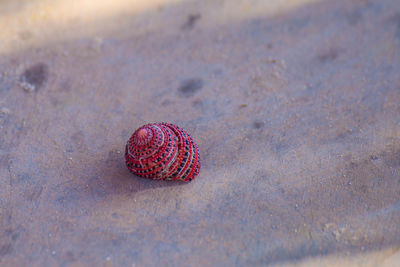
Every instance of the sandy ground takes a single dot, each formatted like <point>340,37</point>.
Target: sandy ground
<point>297,118</point>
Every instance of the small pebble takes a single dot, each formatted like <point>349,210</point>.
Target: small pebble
<point>96,44</point>
<point>5,111</point>
<point>27,86</point>
<point>276,74</point>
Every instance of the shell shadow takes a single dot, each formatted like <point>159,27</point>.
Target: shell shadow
<point>102,179</point>
<point>114,178</point>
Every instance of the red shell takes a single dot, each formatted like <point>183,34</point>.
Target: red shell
<point>162,151</point>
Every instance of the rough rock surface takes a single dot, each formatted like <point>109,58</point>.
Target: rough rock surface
<point>295,107</point>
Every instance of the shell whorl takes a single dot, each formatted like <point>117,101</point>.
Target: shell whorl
<point>162,151</point>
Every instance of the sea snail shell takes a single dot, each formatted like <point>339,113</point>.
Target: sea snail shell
<point>162,151</point>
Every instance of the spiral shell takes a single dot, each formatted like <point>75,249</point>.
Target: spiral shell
<point>162,151</point>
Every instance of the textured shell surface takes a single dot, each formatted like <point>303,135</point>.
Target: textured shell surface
<point>162,151</point>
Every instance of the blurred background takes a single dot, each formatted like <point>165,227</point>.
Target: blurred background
<point>295,106</point>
